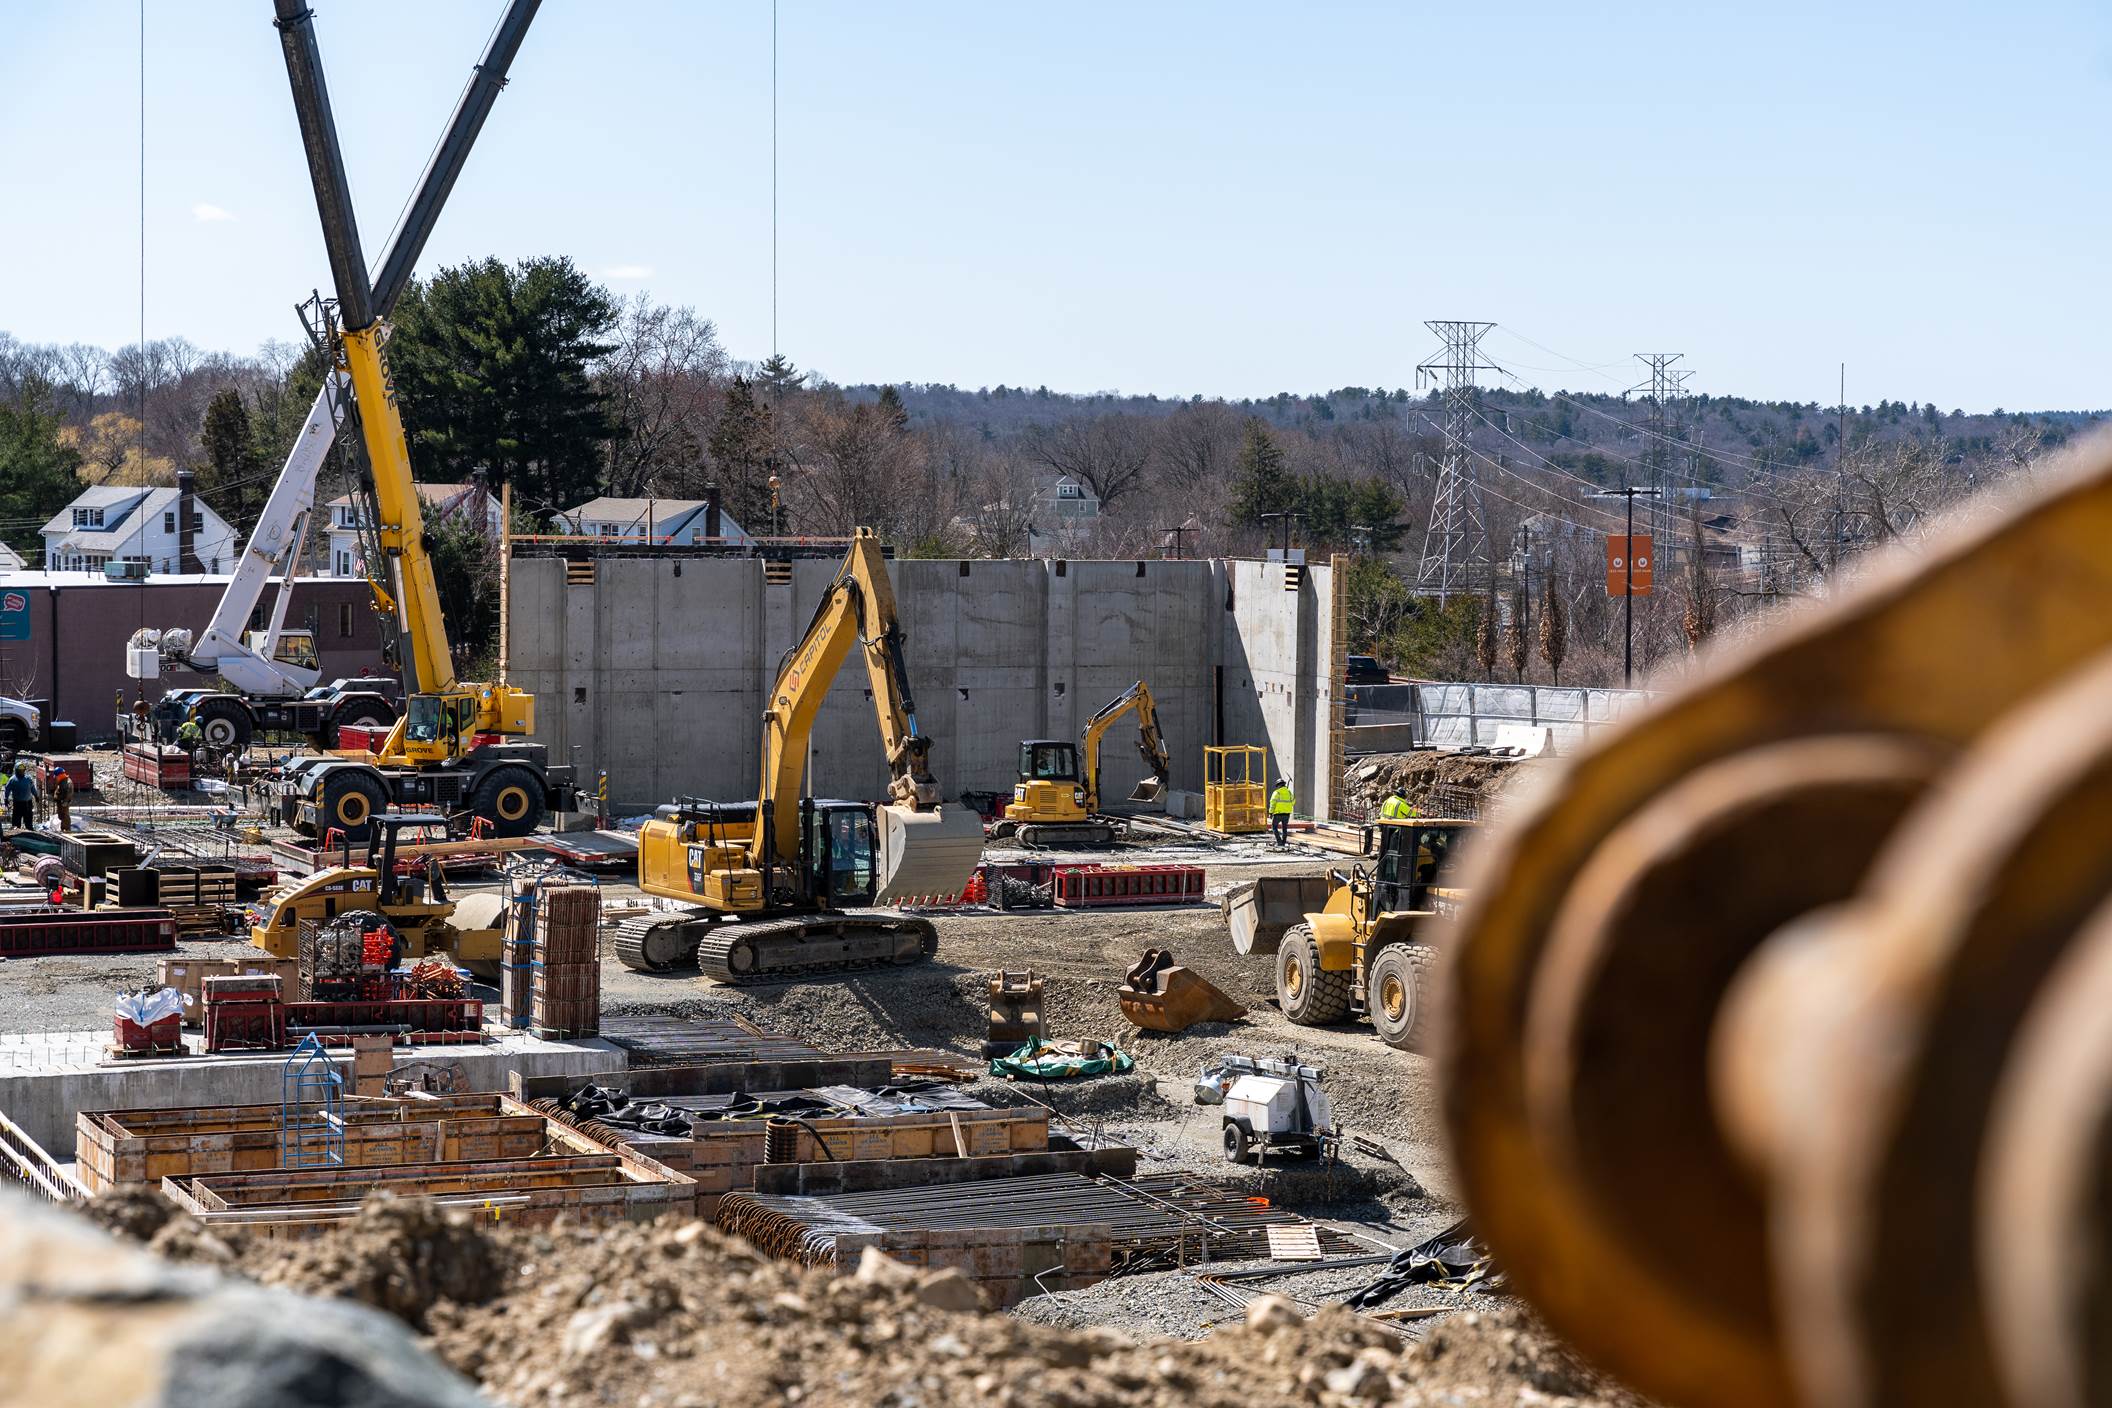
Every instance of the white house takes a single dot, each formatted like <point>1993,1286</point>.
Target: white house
<point>1064,513</point>
<point>136,524</point>
<point>447,500</point>
<point>676,522</point>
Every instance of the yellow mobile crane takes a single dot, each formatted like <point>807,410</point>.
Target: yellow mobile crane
<point>1056,802</point>
<point>771,881</point>
<point>459,747</point>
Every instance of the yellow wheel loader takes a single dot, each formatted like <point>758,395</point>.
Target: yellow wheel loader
<point>1056,802</point>
<point>1359,942</point>
<point>784,885</point>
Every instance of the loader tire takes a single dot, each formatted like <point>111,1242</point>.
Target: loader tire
<point>1309,995</point>
<point>1397,994</point>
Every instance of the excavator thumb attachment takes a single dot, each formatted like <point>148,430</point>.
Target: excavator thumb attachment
<point>1259,913</point>
<point>1161,996</point>
<point>925,855</point>
<point>1148,790</point>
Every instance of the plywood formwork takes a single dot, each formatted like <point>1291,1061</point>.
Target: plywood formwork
<point>726,1153</point>
<point>114,1148</point>
<point>289,1204</point>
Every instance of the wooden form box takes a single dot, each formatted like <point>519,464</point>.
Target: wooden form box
<point>295,1203</point>
<point>113,1148</point>
<point>727,1152</point>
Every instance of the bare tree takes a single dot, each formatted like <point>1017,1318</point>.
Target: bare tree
<point>1554,630</point>
<point>662,379</point>
<point>1108,454</point>
<point>1198,443</point>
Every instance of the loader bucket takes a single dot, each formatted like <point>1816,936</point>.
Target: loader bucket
<point>1258,914</point>
<point>1161,996</point>
<point>925,855</point>
<point>1148,790</point>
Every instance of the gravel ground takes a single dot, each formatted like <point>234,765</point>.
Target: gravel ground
<point>1378,1093</point>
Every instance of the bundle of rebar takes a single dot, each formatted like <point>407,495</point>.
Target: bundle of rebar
<point>1154,1212</point>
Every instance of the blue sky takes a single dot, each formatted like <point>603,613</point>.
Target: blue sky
<point>1230,199</point>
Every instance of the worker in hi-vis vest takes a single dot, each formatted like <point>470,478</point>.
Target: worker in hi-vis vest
<point>1396,808</point>
<point>1280,804</point>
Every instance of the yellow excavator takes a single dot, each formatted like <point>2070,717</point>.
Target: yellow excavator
<point>1056,802</point>
<point>459,748</point>
<point>787,885</point>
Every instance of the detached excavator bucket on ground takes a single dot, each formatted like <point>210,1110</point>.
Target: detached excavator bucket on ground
<point>1258,914</point>
<point>926,855</point>
<point>1161,996</point>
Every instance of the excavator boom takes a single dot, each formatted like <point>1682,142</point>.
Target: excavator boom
<point>1149,743</point>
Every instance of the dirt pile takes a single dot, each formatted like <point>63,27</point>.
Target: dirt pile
<point>1435,784</point>
<point>672,1313</point>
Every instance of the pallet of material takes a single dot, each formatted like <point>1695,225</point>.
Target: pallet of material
<point>36,933</point>
<point>157,764</point>
<point>113,1148</point>
<point>295,1203</point>
<point>187,975</point>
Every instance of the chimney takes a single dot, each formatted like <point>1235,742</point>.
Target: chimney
<point>711,511</point>
<point>186,560</point>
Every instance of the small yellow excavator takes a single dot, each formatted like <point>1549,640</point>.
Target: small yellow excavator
<point>1056,802</point>
<point>786,885</point>
<point>1362,941</point>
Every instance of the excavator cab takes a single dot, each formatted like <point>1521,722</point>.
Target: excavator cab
<point>840,853</point>
<point>1050,787</point>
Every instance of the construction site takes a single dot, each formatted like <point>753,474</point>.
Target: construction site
<point>825,967</point>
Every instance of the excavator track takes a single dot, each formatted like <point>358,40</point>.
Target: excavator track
<point>1088,836</point>
<point>660,943</point>
<point>773,950</point>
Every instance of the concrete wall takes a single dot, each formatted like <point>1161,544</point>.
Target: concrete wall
<point>1451,715</point>
<point>658,678</point>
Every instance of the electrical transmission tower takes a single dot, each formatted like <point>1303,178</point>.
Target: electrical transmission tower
<point>1456,543</point>
<point>1660,428</point>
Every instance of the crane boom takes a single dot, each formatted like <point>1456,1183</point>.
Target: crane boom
<point>274,542</point>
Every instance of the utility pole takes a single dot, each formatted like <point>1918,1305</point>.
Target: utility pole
<point>1840,475</point>
<point>1456,541</point>
<point>1629,493</point>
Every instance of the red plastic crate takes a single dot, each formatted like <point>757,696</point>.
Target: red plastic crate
<point>1113,886</point>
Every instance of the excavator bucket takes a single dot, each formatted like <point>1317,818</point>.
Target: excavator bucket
<point>1148,790</point>
<point>1259,913</point>
<point>925,855</point>
<point>1161,996</point>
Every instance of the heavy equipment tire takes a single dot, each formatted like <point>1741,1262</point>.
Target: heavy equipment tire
<point>347,801</point>
<point>1397,994</point>
<point>223,726</point>
<point>510,796</point>
<point>1309,996</point>
<point>1235,1142</point>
